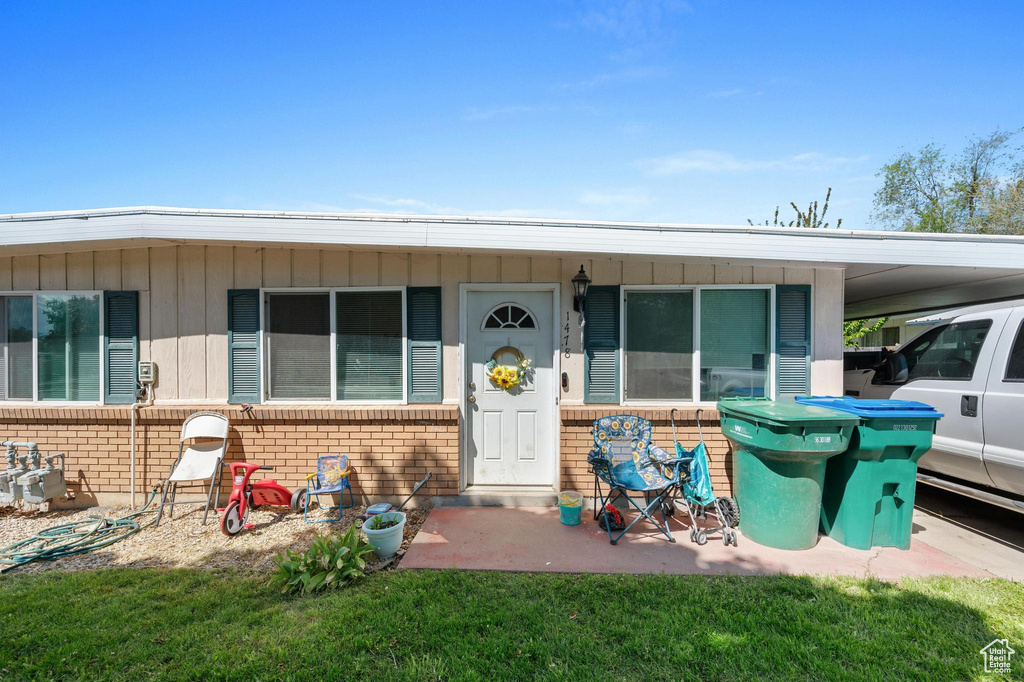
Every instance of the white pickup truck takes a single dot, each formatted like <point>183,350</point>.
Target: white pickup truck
<point>971,368</point>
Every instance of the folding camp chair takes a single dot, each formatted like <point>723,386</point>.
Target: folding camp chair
<point>332,473</point>
<point>197,461</point>
<point>624,458</point>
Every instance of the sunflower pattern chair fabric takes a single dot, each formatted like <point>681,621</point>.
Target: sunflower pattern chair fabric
<point>626,461</point>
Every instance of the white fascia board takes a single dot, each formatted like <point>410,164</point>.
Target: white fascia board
<point>685,242</point>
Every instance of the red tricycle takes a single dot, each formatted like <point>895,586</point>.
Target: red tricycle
<point>246,496</point>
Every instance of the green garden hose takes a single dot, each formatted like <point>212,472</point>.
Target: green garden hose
<point>77,537</point>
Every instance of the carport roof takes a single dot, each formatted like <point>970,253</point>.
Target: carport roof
<point>886,272</point>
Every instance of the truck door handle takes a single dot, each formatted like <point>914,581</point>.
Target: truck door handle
<point>969,405</point>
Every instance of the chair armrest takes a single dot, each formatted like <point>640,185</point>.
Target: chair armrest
<point>658,454</point>
<point>311,476</point>
<point>595,457</point>
<point>665,460</point>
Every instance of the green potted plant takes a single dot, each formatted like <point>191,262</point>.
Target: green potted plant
<point>384,532</point>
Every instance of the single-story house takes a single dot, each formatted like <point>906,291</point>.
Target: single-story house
<point>371,335</point>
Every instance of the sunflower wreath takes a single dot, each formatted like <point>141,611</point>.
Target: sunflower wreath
<point>508,377</point>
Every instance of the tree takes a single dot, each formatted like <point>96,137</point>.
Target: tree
<point>978,191</point>
<point>852,331</point>
<point>856,330</point>
<point>808,218</point>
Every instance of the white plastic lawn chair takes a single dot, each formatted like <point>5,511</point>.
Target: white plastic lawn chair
<point>197,462</point>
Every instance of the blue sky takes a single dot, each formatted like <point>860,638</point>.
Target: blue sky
<point>706,112</point>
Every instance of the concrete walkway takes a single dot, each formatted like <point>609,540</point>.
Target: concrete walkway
<point>533,539</point>
<point>984,535</point>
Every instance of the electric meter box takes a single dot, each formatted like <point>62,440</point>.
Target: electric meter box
<point>147,371</point>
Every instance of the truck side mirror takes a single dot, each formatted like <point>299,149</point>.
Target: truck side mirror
<point>893,369</point>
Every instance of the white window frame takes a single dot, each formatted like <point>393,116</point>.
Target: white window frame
<point>332,302</point>
<point>35,349</point>
<point>694,398</point>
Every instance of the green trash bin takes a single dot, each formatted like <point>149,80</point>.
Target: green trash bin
<point>779,454</point>
<point>868,499</point>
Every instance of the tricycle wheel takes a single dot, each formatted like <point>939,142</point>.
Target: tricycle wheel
<point>231,523</point>
<point>298,500</point>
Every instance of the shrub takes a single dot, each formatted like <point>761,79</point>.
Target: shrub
<point>328,563</point>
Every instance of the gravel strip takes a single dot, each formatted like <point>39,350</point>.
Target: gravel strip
<point>184,542</point>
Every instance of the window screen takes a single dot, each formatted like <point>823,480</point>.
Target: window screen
<point>16,348</point>
<point>370,343</point>
<point>950,352</point>
<point>734,343</point>
<point>659,345</point>
<point>69,347</point>
<point>890,336</point>
<point>298,344</point>
<point>1015,365</point>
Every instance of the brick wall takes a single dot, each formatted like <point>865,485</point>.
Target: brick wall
<point>577,440</point>
<point>390,448</point>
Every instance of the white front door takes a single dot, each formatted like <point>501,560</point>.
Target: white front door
<point>511,432</point>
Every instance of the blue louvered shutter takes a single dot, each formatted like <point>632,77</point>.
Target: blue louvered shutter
<point>120,346</point>
<point>369,345</point>
<point>243,346</point>
<point>601,345</point>
<point>793,340</point>
<point>423,305</point>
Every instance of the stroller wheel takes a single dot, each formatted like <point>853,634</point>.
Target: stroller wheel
<point>730,510</point>
<point>668,508</point>
<point>702,538</point>
<point>693,536</point>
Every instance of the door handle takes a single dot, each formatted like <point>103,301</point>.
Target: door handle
<point>969,405</point>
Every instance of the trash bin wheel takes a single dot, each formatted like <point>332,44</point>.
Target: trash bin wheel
<point>730,510</point>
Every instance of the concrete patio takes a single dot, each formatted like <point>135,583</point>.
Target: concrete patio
<point>533,539</point>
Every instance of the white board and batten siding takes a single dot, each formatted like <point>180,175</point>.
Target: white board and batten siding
<point>183,297</point>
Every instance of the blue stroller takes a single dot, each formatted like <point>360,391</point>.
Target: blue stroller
<point>697,495</point>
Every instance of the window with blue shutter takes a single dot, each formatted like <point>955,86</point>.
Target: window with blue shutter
<point>734,343</point>
<point>793,340</point>
<point>601,345</point>
<point>369,345</point>
<point>423,306</point>
<point>120,346</point>
<point>243,346</point>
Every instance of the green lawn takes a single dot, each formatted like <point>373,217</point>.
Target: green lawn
<point>131,624</point>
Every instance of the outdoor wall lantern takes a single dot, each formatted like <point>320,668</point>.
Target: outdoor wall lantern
<point>580,284</point>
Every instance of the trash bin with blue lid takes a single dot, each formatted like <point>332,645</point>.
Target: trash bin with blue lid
<point>778,461</point>
<point>868,498</point>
